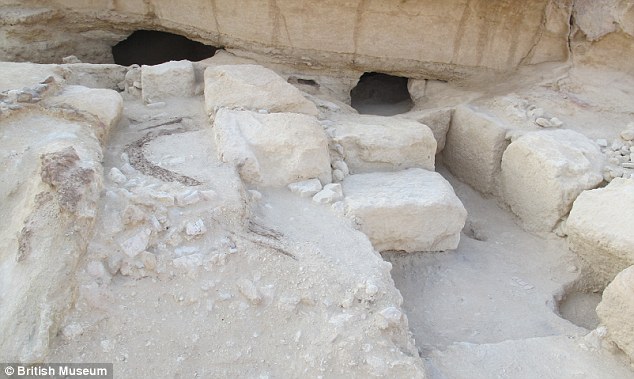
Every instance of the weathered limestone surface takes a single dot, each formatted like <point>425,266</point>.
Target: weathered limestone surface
<point>543,172</point>
<point>600,228</point>
<point>438,120</point>
<point>373,143</point>
<point>616,311</point>
<point>473,152</point>
<point>273,149</point>
<point>387,35</point>
<point>411,210</point>
<point>252,87</point>
<point>48,213</point>
<point>170,79</point>
<point>105,104</point>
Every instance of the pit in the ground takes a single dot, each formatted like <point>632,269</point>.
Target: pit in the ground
<point>151,47</point>
<point>381,94</point>
<point>579,307</point>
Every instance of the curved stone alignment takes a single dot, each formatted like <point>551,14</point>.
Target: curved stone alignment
<point>152,47</point>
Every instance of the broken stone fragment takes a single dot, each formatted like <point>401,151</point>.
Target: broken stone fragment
<point>195,228</point>
<point>556,122</point>
<point>248,290</point>
<point>332,192</point>
<point>306,188</point>
<point>628,134</point>
<point>616,311</point>
<point>137,243</point>
<point>342,166</point>
<point>117,176</point>
<point>544,123</point>
<point>337,175</point>
<point>188,198</point>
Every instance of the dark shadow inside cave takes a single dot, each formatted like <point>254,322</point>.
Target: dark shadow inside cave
<point>381,94</point>
<point>151,47</point>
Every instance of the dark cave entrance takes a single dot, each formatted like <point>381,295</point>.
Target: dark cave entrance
<point>381,94</point>
<point>151,47</point>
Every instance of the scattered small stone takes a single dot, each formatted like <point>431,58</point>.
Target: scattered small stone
<point>208,195</point>
<point>188,198</point>
<point>113,263</point>
<point>127,168</point>
<point>341,165</point>
<point>195,228</point>
<point>137,243</point>
<point>149,260</point>
<point>106,346</point>
<point>157,105</point>
<point>117,176</point>
<point>337,175</point>
<point>336,188</point>
<point>392,315</point>
<point>544,123</point>
<point>371,289</point>
<point>248,289</point>
<point>185,250</point>
<point>188,262</point>
<point>255,195</point>
<point>263,111</point>
<point>72,331</point>
<point>25,97</point>
<point>617,145</point>
<point>628,165</point>
<point>627,135</point>
<point>306,188</point>
<point>163,197</point>
<point>71,59</point>
<point>96,269</point>
<point>556,122</point>
<point>49,79</point>
<point>326,196</point>
<point>535,113</point>
<point>339,208</point>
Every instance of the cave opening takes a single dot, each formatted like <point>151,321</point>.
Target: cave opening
<point>151,47</point>
<point>381,94</point>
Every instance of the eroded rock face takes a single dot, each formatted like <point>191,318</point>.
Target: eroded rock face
<point>616,311</point>
<point>475,36</point>
<point>252,87</point>
<point>273,149</point>
<point>600,228</point>
<point>543,173</point>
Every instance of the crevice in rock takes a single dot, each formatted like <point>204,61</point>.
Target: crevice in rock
<point>151,47</point>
